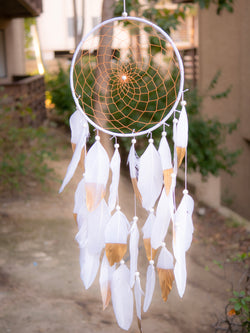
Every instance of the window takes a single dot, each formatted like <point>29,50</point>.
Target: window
<point>71,32</point>
<point>3,69</point>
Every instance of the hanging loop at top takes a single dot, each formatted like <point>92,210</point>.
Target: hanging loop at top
<point>124,13</point>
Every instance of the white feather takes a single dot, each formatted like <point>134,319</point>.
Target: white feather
<point>150,179</point>
<point>148,226</point>
<point>190,226</point>
<point>106,273</point>
<point>182,129</point>
<point>122,297</point>
<point>96,174</point>
<point>150,286</point>
<point>165,153</point>
<point>75,158</point>
<point>171,201</point>
<point>162,220</point>
<point>175,162</point>
<point>138,292</point>
<point>89,264</point>
<point>183,229</point>
<point>179,230</point>
<point>76,122</point>
<point>97,222</point>
<point>80,196</point>
<point>165,259</point>
<point>183,226</point>
<point>115,168</point>
<point>180,274</point>
<point>133,250</point>
<point>117,229</point>
<point>82,235</point>
<point>133,161</point>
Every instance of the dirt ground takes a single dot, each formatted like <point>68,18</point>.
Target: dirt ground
<point>40,285</point>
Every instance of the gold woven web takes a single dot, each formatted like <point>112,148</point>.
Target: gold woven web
<point>126,77</point>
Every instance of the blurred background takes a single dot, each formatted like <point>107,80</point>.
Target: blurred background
<point>37,42</point>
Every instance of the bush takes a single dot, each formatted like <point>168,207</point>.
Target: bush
<point>23,148</point>
<point>59,93</point>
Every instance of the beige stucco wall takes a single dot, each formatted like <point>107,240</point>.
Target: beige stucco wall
<point>224,44</point>
<point>14,43</point>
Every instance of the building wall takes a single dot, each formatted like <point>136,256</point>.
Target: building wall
<point>14,48</point>
<point>224,44</point>
<point>55,24</point>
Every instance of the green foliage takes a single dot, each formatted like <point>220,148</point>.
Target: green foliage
<point>23,148</point>
<point>241,257</point>
<point>59,91</point>
<point>166,19</point>
<point>220,5</point>
<point>241,305</point>
<point>206,152</point>
<point>218,263</point>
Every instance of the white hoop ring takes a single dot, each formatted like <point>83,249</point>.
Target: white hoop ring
<point>132,134</point>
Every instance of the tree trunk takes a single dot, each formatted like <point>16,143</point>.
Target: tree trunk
<point>75,21</point>
<point>102,72</point>
<point>78,36</point>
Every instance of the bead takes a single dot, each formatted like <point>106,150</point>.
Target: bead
<point>151,262</point>
<point>133,140</point>
<point>137,274</point>
<point>175,121</point>
<point>185,191</point>
<point>135,218</point>
<point>97,138</point>
<point>151,140</point>
<point>116,145</point>
<point>118,207</point>
<point>122,262</point>
<point>164,133</point>
<point>163,244</point>
<point>183,103</point>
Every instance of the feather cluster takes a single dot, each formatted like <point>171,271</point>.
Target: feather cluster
<point>104,232</point>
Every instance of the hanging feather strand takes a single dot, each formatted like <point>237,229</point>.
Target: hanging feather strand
<point>166,162</point>
<point>165,266</point>
<point>115,168</point>
<point>150,178</point>
<point>96,175</point>
<point>76,156</point>
<point>147,234</point>
<point>122,297</point>
<point>182,134</point>
<point>133,161</point>
<point>182,237</point>
<point>116,234</point>
<point>150,285</point>
<point>133,250</point>
<point>106,273</point>
<point>76,121</point>
<point>138,292</point>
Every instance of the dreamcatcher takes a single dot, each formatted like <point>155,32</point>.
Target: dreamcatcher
<point>127,81</point>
